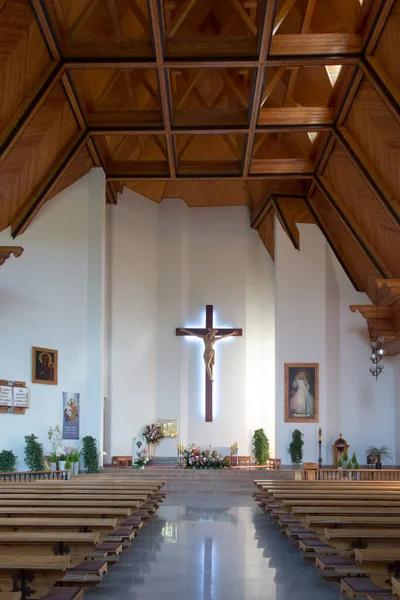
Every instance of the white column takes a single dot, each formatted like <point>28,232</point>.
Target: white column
<point>172,370</point>
<point>92,404</point>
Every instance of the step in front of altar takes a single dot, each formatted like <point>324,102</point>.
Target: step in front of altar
<point>205,480</point>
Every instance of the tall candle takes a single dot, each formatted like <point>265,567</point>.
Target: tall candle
<point>320,434</point>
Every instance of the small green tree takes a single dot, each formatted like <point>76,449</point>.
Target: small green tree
<point>296,447</point>
<point>33,453</point>
<point>7,461</point>
<point>340,463</point>
<point>260,447</point>
<point>90,454</point>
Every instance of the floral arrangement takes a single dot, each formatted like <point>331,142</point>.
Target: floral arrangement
<point>202,459</point>
<point>153,433</point>
<point>142,458</point>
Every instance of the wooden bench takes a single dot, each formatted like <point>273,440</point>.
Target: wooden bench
<point>88,525</point>
<point>381,562</point>
<point>75,545</point>
<point>395,586</point>
<point>354,586</point>
<point>40,572</point>
<point>274,463</point>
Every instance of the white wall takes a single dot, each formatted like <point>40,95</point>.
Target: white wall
<point>51,297</point>
<point>314,324</point>
<point>184,259</point>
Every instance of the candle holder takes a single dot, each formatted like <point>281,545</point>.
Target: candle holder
<point>320,447</point>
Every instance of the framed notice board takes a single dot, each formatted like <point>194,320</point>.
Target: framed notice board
<point>14,397</point>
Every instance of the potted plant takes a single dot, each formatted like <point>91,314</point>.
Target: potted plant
<point>345,459</point>
<point>33,453</point>
<point>90,455</point>
<point>377,453</point>
<point>75,463</point>
<point>340,464</point>
<point>53,461</point>
<point>68,467</point>
<point>62,459</point>
<point>142,458</point>
<point>260,447</point>
<point>7,461</point>
<point>354,461</point>
<point>296,448</point>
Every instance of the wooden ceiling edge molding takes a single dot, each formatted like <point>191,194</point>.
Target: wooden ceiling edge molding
<point>376,261</point>
<point>382,321</point>
<point>392,284</point>
<point>292,235</point>
<point>46,29</point>
<point>7,251</point>
<point>42,191</point>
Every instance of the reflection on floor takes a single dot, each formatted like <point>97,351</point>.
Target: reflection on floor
<point>212,547</point>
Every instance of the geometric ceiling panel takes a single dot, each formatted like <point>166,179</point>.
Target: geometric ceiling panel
<point>204,28</point>
<point>141,155</point>
<point>90,28</point>
<point>210,97</point>
<point>119,97</point>
<point>208,154</point>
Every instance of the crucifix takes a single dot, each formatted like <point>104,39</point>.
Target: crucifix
<point>210,336</point>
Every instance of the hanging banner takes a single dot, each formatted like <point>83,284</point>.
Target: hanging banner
<point>70,416</point>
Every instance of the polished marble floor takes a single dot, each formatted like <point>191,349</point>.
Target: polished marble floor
<point>212,547</point>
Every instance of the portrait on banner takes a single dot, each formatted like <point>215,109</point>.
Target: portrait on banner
<point>301,393</point>
<point>44,366</point>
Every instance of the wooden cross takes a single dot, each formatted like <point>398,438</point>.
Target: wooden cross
<point>204,331</point>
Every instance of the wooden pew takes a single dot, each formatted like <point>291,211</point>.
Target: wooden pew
<point>77,544</point>
<point>380,562</point>
<point>100,526</point>
<point>32,571</point>
<point>62,511</point>
<point>348,539</point>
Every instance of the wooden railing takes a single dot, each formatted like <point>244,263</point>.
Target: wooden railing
<point>351,475</point>
<point>33,475</point>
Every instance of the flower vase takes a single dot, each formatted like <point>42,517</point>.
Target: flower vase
<point>142,467</point>
<point>75,468</point>
<point>61,465</point>
<point>53,466</point>
<point>151,450</point>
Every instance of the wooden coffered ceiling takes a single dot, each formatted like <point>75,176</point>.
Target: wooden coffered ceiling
<point>289,107</point>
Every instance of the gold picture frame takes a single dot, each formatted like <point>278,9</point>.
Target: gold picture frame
<point>44,366</point>
<point>301,393</point>
<point>169,427</point>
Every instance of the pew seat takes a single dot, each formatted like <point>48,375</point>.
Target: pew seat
<point>59,593</point>
<point>354,586</point>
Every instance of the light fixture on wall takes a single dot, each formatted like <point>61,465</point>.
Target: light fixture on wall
<point>377,354</point>
<point>376,344</point>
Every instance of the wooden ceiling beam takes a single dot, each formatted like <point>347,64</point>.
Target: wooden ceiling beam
<point>73,101</point>
<point>317,60</point>
<point>265,43</point>
<point>383,87</point>
<point>156,23</point>
<point>353,228</point>
<point>316,44</point>
<point>286,226</point>
<point>29,107</point>
<point>258,213</point>
<point>44,189</point>
<point>251,26</point>
<point>272,85</point>
<point>366,170</point>
<point>206,177</point>
<point>393,285</point>
<point>45,27</point>
<point>329,238</point>
<point>109,129</point>
<point>378,15</point>
<point>282,14</point>
<point>180,16</point>
<point>140,16</point>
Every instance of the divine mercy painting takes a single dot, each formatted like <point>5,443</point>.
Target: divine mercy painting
<point>301,393</point>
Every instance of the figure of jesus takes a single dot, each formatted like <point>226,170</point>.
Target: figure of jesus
<point>209,340</point>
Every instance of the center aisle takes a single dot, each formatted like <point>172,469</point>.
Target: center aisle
<point>212,547</point>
